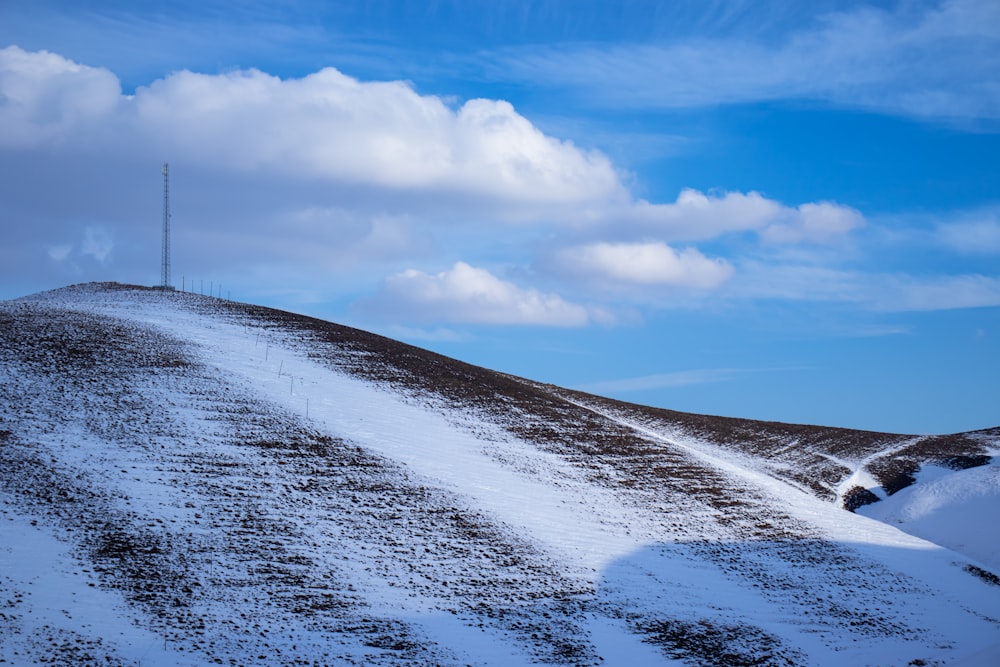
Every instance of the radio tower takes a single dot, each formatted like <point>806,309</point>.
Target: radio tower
<point>165,274</point>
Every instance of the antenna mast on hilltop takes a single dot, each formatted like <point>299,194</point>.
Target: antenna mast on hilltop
<point>165,273</point>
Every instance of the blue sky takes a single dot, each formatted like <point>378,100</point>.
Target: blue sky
<point>774,210</point>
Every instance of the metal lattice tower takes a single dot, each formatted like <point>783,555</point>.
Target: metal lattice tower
<point>165,273</point>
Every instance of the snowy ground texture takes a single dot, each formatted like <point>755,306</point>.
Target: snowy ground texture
<point>189,481</point>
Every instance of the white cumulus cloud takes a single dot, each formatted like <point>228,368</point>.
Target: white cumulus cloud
<point>644,264</point>
<point>696,216</point>
<point>466,294</point>
<point>326,126</point>
<point>47,99</point>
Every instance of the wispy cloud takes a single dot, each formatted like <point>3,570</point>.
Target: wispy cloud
<point>98,243</point>
<point>977,233</point>
<point>436,335</point>
<point>821,222</point>
<point>926,60</point>
<point>900,293</point>
<point>885,292</point>
<point>661,381</point>
<point>60,252</point>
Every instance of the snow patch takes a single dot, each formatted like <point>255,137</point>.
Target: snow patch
<point>948,507</point>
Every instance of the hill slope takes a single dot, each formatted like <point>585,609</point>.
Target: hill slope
<point>185,480</point>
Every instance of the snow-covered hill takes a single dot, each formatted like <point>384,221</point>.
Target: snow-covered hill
<point>189,481</point>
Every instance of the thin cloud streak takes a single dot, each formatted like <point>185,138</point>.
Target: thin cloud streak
<point>977,234</point>
<point>883,292</point>
<point>940,63</point>
<point>661,381</point>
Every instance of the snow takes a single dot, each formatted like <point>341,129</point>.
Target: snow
<point>465,544</point>
<point>947,507</point>
<point>45,587</point>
